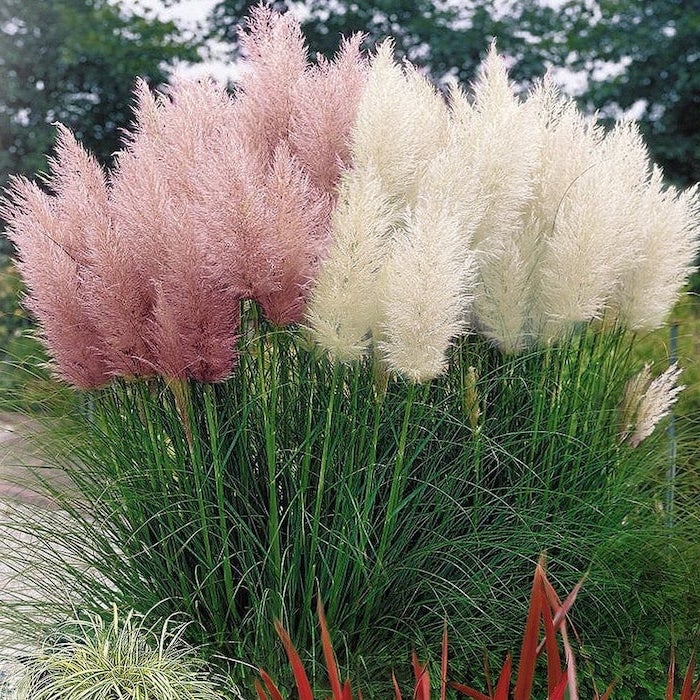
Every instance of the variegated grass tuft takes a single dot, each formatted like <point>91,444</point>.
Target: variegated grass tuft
<point>122,657</point>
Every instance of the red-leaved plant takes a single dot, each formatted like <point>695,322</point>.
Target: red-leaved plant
<point>546,612</point>
<point>688,691</point>
<point>549,612</point>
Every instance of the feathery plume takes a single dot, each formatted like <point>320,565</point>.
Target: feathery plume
<point>297,237</point>
<point>428,278</point>
<point>380,238</point>
<point>499,140</point>
<point>353,195</point>
<point>590,240</point>
<point>344,306</point>
<point>275,61</point>
<point>121,260</point>
<point>240,218</point>
<point>292,124</point>
<point>425,293</point>
<point>323,111</point>
<point>401,123</point>
<point>666,223</point>
<point>501,305</point>
<point>53,237</point>
<point>211,201</point>
<point>195,314</point>
<point>188,317</point>
<point>646,401</point>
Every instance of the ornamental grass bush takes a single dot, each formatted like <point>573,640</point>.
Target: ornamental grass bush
<point>340,335</point>
<point>87,657</point>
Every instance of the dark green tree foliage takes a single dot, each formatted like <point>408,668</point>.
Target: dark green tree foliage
<point>659,45</point>
<point>74,61</point>
<point>449,39</point>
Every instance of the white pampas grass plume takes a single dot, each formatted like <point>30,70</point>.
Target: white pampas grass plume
<point>426,285</point>
<point>501,307</point>
<point>667,225</point>
<point>646,402</point>
<point>521,219</point>
<point>344,305</point>
<point>573,220</point>
<point>593,238</point>
<point>401,123</point>
<point>582,214</point>
<point>498,139</point>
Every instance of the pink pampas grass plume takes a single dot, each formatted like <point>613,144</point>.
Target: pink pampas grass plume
<point>275,178</point>
<point>189,315</point>
<point>268,182</point>
<point>267,226</point>
<point>53,236</point>
<point>267,229</point>
<point>323,111</point>
<point>195,317</point>
<point>299,229</point>
<point>212,200</point>
<point>276,59</point>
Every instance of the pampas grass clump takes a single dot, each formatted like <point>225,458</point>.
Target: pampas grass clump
<point>347,337</point>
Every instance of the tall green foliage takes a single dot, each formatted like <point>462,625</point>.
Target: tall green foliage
<point>399,504</point>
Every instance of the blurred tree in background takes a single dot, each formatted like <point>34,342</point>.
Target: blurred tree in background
<point>652,54</point>
<point>74,61</point>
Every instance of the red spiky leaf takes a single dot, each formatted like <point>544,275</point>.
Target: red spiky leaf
<point>503,685</point>
<point>558,692</point>
<point>397,691</point>
<point>422,688</point>
<point>608,692</point>
<point>687,692</point>
<point>554,669</point>
<point>528,651</point>
<point>570,663</point>
<point>562,609</point>
<point>270,685</point>
<point>260,691</point>
<point>300,677</point>
<point>671,676</point>
<point>469,692</point>
<point>443,664</point>
<point>328,655</point>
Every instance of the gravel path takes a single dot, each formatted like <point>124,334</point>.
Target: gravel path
<point>19,489</point>
<point>18,457</point>
<point>12,586</point>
